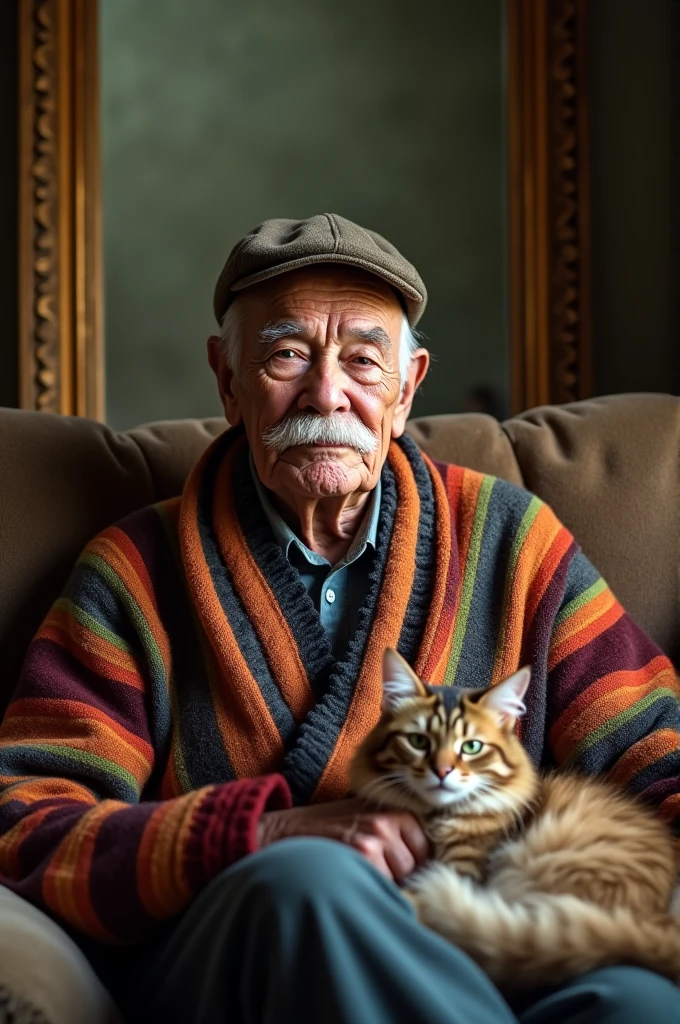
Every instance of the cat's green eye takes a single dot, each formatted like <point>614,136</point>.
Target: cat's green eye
<point>418,741</point>
<point>471,747</point>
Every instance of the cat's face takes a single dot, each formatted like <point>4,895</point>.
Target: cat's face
<point>437,748</point>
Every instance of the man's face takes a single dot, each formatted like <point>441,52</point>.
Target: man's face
<point>321,341</point>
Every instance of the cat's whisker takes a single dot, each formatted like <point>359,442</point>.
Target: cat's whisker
<point>383,785</point>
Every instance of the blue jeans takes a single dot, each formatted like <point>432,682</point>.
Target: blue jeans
<point>307,931</point>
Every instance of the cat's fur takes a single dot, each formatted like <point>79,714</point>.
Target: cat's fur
<point>537,878</point>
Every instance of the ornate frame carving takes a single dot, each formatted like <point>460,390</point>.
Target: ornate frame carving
<point>60,281</point>
<point>60,276</point>
<point>550,318</point>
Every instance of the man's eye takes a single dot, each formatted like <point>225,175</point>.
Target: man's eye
<point>286,353</point>
<point>363,361</point>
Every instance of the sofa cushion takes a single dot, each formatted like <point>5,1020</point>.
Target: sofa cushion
<point>44,977</point>
<point>609,468</point>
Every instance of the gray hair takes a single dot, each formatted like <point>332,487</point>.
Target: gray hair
<point>230,336</point>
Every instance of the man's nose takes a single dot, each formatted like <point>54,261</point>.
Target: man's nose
<point>324,389</point>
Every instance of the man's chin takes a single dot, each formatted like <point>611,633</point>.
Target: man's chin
<point>325,478</point>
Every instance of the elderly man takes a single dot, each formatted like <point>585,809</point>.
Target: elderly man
<point>195,696</point>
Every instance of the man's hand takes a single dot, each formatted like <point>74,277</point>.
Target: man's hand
<point>392,841</point>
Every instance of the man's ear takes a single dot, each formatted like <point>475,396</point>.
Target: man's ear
<point>420,362</point>
<point>225,381</point>
<point>400,683</point>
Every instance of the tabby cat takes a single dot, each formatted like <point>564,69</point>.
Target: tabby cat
<point>537,878</point>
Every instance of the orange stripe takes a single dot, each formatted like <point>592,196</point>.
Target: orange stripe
<point>87,833</point>
<point>453,484</point>
<point>61,620</point>
<point>10,843</point>
<point>261,606</point>
<point>170,785</point>
<point>78,725</point>
<point>66,881</point>
<point>47,789</point>
<point>546,574</point>
<point>224,706</point>
<point>644,753</point>
<point>147,855</point>
<point>98,662</point>
<point>231,717</point>
<point>583,616</point>
<point>436,619</point>
<point>593,628</point>
<point>469,488</point>
<point>462,488</point>
<point>454,477</point>
<point>669,810</point>
<point>162,885</point>
<point>116,538</point>
<point>248,730</point>
<point>537,543</point>
<point>69,712</point>
<point>600,711</point>
<point>364,709</point>
<point>116,556</point>
<point>655,669</point>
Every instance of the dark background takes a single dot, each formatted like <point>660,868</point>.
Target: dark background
<point>634,106</point>
<point>236,112</point>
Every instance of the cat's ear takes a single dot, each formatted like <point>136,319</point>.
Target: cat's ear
<point>505,699</point>
<point>400,682</point>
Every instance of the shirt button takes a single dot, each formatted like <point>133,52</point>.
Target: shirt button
<point>330,596</point>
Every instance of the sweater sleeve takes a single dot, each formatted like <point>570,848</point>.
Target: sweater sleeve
<point>88,728</point>
<point>613,696</point>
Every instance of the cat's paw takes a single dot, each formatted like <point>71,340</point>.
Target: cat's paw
<point>433,888</point>
<point>412,897</point>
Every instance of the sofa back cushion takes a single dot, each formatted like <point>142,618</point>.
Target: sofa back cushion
<point>608,467</point>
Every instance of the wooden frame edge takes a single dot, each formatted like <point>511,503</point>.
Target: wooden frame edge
<point>548,181</point>
<point>60,272</point>
<point>61,366</point>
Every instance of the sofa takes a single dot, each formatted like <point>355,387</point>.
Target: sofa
<point>609,467</point>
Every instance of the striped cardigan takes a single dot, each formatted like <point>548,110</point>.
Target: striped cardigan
<point>183,683</point>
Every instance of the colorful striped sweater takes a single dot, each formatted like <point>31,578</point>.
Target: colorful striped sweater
<point>183,683</point>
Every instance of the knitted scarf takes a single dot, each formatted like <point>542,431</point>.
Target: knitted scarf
<point>289,696</point>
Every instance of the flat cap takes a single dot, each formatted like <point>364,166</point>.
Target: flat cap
<point>279,245</point>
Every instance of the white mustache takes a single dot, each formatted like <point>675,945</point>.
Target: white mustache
<point>310,428</point>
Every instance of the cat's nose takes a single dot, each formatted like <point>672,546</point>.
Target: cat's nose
<point>442,770</point>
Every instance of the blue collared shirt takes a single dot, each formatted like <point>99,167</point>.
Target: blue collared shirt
<point>338,591</point>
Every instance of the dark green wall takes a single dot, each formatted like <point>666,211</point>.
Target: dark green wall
<point>8,203</point>
<point>170,156</point>
<point>217,115</point>
<point>635,181</point>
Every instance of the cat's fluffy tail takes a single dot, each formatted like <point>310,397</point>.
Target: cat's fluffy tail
<point>544,938</point>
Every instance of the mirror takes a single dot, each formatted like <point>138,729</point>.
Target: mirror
<point>459,134</point>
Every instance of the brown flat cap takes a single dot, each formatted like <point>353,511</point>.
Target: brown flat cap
<point>280,245</point>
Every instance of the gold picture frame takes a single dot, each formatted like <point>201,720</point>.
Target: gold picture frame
<point>548,203</point>
<point>61,367</point>
<point>60,277</point>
